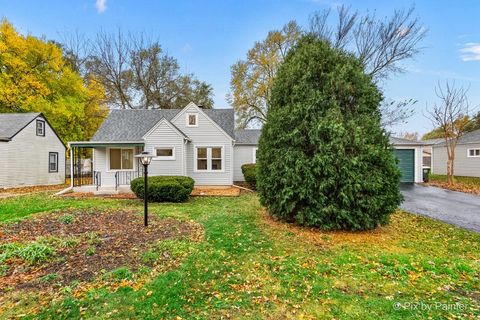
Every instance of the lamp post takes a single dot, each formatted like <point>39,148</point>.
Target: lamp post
<point>145,159</point>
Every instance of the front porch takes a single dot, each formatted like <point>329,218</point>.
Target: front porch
<point>101,178</point>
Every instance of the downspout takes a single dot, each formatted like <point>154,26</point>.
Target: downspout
<point>184,157</point>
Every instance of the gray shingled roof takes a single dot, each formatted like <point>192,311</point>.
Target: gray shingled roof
<point>431,142</point>
<point>247,136</point>
<point>132,125</point>
<point>402,141</point>
<point>470,137</point>
<point>12,123</point>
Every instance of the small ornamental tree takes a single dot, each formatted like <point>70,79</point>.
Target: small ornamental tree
<point>324,159</point>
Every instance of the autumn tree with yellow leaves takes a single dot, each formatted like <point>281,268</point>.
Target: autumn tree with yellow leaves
<point>35,77</point>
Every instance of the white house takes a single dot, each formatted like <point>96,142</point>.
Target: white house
<point>31,153</point>
<point>467,156</point>
<point>200,143</point>
<point>196,142</point>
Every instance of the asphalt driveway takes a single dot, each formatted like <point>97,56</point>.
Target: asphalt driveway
<point>453,207</point>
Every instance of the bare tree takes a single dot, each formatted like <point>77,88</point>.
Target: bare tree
<point>380,44</point>
<point>134,71</point>
<point>450,115</point>
<point>110,63</point>
<point>77,49</point>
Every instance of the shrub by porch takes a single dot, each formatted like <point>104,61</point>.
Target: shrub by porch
<point>164,188</point>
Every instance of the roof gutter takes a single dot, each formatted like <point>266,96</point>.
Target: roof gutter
<point>104,143</point>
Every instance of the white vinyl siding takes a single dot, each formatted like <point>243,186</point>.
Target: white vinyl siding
<point>242,154</point>
<point>24,160</point>
<point>165,136</point>
<point>209,135</point>
<point>463,165</point>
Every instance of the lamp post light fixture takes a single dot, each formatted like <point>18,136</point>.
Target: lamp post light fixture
<point>145,159</point>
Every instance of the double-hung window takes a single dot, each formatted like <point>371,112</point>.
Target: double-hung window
<point>40,128</point>
<point>120,159</point>
<point>473,153</point>
<point>53,162</point>
<point>209,158</point>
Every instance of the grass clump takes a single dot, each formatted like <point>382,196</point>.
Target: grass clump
<point>67,218</point>
<point>31,253</point>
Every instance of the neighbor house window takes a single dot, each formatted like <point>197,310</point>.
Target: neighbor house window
<point>53,162</point>
<point>165,153</point>
<point>209,159</point>
<point>192,120</point>
<point>254,155</point>
<point>121,159</point>
<point>473,153</point>
<point>41,128</point>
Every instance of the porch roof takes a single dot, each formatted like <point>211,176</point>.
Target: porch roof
<point>92,144</point>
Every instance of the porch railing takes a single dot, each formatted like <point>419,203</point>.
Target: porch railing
<point>125,177</point>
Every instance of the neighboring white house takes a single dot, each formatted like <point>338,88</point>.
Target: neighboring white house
<point>31,153</point>
<point>195,142</point>
<point>467,156</point>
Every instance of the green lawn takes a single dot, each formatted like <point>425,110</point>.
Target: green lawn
<point>250,267</point>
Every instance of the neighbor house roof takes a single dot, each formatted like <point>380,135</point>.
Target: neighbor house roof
<point>12,123</point>
<point>469,137</point>
<point>431,142</point>
<point>401,141</point>
<point>247,136</point>
<point>132,125</point>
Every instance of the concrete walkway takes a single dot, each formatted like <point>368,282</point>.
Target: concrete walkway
<point>458,208</point>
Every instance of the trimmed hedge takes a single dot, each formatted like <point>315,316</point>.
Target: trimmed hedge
<point>164,188</point>
<point>249,171</point>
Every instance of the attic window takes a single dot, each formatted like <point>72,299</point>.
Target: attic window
<point>40,128</point>
<point>192,120</point>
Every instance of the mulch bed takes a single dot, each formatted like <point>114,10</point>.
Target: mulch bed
<point>118,238</point>
<point>215,192</point>
<point>197,192</point>
<point>458,186</point>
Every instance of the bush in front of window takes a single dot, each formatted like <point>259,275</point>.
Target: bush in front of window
<point>249,171</point>
<point>324,159</point>
<point>164,188</point>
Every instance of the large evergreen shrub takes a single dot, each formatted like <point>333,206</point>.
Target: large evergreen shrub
<point>164,188</point>
<point>324,159</point>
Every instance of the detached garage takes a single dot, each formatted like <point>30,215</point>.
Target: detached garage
<point>410,157</point>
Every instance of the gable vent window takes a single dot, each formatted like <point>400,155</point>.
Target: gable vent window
<point>473,153</point>
<point>53,162</point>
<point>192,120</point>
<point>40,128</point>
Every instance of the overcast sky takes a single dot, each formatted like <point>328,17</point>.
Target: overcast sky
<point>207,37</point>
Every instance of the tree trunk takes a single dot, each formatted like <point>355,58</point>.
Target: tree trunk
<point>450,171</point>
